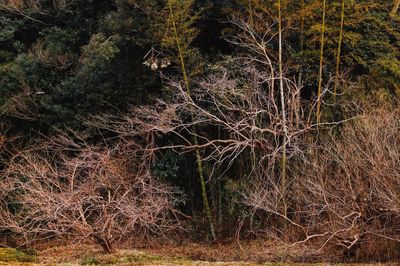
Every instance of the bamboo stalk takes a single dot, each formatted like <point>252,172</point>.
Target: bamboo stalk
<point>219,189</point>
<point>321,63</point>
<point>300,78</point>
<point>339,49</point>
<point>199,161</point>
<point>250,12</point>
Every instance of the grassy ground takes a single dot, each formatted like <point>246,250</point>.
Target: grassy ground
<point>13,257</point>
<point>89,255</point>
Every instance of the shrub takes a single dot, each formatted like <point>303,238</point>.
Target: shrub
<point>65,187</point>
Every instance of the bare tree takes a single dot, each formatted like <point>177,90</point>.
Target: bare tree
<point>240,97</point>
<point>350,197</point>
<point>282,94</point>
<point>68,188</point>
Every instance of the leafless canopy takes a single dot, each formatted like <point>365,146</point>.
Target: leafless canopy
<point>346,194</point>
<point>66,187</point>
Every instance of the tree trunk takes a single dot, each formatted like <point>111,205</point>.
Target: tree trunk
<point>283,106</point>
<point>105,244</point>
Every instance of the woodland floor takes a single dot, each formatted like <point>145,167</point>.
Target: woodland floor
<point>252,253</point>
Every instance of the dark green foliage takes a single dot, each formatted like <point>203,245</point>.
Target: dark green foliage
<point>81,60</point>
<point>87,57</point>
<point>168,166</point>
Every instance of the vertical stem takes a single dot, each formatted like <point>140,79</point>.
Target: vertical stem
<point>339,49</point>
<point>321,63</point>
<point>283,105</point>
<point>250,12</point>
<point>219,189</point>
<point>300,78</point>
<point>195,140</point>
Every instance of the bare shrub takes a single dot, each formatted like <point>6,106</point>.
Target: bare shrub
<point>22,106</point>
<point>68,188</point>
<point>346,193</point>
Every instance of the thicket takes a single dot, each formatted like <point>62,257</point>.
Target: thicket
<point>245,118</point>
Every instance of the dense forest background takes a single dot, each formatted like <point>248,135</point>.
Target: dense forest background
<point>206,119</point>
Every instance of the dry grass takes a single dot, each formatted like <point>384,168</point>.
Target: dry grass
<point>253,253</point>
